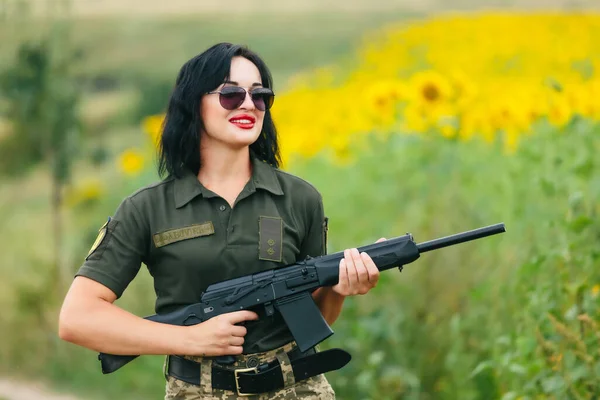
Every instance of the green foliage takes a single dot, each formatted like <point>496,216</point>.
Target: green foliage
<point>502,318</point>
<point>154,96</point>
<point>24,86</point>
<point>40,99</point>
<point>41,102</point>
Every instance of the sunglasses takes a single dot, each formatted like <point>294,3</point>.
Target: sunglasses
<point>231,97</point>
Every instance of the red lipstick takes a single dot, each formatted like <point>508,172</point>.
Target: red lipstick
<point>243,121</point>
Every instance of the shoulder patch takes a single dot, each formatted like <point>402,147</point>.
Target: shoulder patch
<point>99,238</point>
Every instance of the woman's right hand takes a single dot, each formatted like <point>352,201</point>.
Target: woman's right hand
<point>218,336</point>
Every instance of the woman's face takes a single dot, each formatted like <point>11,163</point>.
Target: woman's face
<point>234,128</point>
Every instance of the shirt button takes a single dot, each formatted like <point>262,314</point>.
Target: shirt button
<point>222,208</point>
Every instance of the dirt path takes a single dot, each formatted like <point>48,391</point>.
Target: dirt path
<point>11,389</point>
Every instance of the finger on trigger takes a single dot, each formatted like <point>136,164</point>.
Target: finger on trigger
<point>241,316</point>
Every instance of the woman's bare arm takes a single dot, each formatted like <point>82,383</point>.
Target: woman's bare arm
<point>329,302</point>
<point>89,318</point>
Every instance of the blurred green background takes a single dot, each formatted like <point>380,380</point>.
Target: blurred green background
<point>430,117</point>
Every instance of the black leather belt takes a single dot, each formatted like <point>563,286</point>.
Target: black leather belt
<point>263,378</point>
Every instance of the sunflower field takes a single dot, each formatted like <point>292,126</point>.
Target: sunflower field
<point>488,76</point>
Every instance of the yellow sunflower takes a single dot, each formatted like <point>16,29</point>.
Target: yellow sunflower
<point>131,162</point>
<point>152,126</point>
<point>430,88</point>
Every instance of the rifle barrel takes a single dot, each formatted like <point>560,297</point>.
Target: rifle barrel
<point>461,237</point>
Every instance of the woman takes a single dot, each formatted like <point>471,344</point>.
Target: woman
<point>223,211</point>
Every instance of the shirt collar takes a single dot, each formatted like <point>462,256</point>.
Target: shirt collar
<point>189,187</point>
<point>264,176</point>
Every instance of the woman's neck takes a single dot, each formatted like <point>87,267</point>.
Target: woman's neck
<point>224,166</point>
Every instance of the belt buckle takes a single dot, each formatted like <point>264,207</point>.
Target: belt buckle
<point>237,382</point>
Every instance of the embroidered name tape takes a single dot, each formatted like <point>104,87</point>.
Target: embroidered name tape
<point>189,232</point>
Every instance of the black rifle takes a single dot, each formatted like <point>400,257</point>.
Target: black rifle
<point>288,289</point>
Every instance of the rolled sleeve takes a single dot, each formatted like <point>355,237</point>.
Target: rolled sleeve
<point>116,256</point>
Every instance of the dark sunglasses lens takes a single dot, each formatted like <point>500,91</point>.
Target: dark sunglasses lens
<point>232,97</point>
<point>262,99</point>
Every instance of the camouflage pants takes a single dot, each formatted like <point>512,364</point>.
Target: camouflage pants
<point>315,388</point>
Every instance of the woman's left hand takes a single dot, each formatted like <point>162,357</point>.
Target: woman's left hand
<point>358,273</point>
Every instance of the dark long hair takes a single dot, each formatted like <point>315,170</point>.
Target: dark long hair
<point>179,148</point>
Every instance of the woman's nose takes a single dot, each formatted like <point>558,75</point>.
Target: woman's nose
<point>248,104</point>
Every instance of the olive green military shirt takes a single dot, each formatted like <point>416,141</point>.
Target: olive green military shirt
<point>189,238</point>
